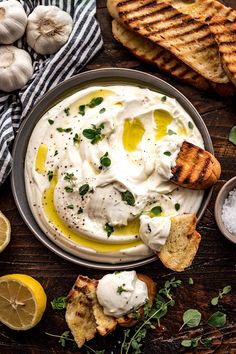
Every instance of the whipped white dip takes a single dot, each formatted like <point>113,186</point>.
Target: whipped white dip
<point>100,159</point>
<point>120,292</point>
<point>154,231</point>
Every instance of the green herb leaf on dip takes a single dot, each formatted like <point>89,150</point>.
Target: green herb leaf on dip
<point>121,289</point>
<point>76,139</point>
<point>84,189</point>
<point>102,110</point>
<point>94,134</point>
<point>68,176</point>
<point>95,102</point>
<point>67,111</point>
<point>171,132</point>
<point>50,121</point>
<point>105,160</point>
<point>128,197</point>
<point>82,110</point>
<point>167,153</point>
<point>232,135</point>
<point>68,189</point>
<point>177,206</point>
<point>109,229</point>
<point>71,206</point>
<point>163,99</point>
<point>190,125</point>
<point>50,175</point>
<point>157,210</point>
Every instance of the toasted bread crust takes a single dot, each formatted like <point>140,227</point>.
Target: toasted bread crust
<point>84,315</point>
<point>128,320</point>
<point>188,39</point>
<point>182,243</point>
<point>195,168</point>
<point>151,53</point>
<point>224,31</point>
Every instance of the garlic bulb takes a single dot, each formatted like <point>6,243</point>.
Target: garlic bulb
<point>48,29</point>
<point>15,68</point>
<point>13,21</point>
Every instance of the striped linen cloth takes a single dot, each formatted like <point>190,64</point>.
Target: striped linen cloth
<point>85,40</point>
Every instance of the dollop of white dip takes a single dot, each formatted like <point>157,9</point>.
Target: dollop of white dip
<point>99,160</point>
<point>154,231</point>
<point>119,293</point>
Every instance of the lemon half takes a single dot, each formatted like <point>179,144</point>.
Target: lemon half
<point>5,231</point>
<point>22,301</point>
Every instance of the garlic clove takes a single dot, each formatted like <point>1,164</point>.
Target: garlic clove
<point>13,21</point>
<point>15,68</point>
<point>48,29</point>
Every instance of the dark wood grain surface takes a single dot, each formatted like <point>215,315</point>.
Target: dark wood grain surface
<point>213,267</point>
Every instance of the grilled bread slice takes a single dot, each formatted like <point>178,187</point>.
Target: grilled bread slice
<point>154,54</point>
<point>84,315</point>
<point>225,35</point>
<point>129,320</point>
<point>188,39</point>
<point>182,243</point>
<point>203,10</point>
<point>195,168</point>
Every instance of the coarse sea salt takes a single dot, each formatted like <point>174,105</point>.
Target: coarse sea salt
<point>229,212</point>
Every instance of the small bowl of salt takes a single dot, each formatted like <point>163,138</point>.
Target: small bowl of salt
<point>225,210</point>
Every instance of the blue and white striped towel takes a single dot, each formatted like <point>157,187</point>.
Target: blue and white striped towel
<point>84,42</point>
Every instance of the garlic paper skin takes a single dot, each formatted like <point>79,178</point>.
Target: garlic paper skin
<point>15,68</point>
<point>13,21</point>
<point>48,29</point>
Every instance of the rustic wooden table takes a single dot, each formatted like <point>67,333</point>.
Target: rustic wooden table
<point>212,269</point>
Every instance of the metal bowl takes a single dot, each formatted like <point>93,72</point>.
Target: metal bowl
<point>78,82</point>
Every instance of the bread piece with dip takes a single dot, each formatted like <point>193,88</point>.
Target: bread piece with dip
<point>195,168</point>
<point>182,243</point>
<point>97,306</point>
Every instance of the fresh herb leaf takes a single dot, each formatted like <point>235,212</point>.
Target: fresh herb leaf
<point>68,176</point>
<point>50,175</point>
<point>171,132</point>
<point>68,189</point>
<point>63,339</point>
<point>157,210</point>
<point>82,109</point>
<point>190,125</point>
<point>225,291</point>
<point>56,153</point>
<point>177,206</point>
<point>187,343</point>
<point>76,139</point>
<point>59,303</point>
<point>109,229</point>
<point>84,189</point>
<point>105,160</point>
<point>163,99</point>
<point>206,342</point>
<point>94,134</point>
<point>80,211</point>
<point>191,318</point>
<point>102,110</point>
<point>70,206</point>
<point>50,121</point>
<point>217,319</point>
<point>167,153</point>
<point>190,281</point>
<point>121,289</point>
<point>95,102</point>
<point>128,197</point>
<point>67,111</point>
<point>64,130</point>
<point>232,135</point>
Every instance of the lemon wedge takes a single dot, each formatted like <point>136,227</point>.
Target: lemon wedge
<point>5,231</point>
<point>22,301</point>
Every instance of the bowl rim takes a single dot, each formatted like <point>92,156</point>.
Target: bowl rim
<point>222,195</point>
<point>88,78</point>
